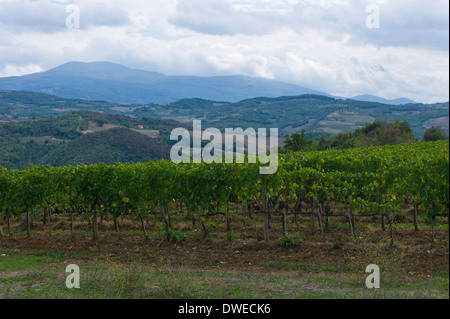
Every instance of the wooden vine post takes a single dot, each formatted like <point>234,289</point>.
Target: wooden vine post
<point>283,221</point>
<point>95,227</point>
<point>252,212</point>
<point>9,226</point>
<point>28,222</point>
<point>144,230</point>
<point>391,227</point>
<point>319,217</point>
<point>72,224</point>
<point>416,206</point>
<point>227,221</point>
<point>265,212</point>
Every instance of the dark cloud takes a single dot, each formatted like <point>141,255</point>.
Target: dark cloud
<point>219,18</point>
<point>411,23</point>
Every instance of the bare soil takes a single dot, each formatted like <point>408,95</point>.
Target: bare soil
<point>413,250</point>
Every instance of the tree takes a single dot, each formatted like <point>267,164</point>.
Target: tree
<point>297,142</point>
<point>323,144</point>
<point>394,133</point>
<point>434,134</point>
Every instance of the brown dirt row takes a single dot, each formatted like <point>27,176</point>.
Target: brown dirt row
<point>413,249</point>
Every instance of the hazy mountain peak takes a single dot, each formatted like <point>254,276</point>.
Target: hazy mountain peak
<point>77,65</point>
<point>104,70</point>
<point>113,82</point>
<point>373,98</point>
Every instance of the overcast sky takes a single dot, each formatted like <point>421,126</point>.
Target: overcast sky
<point>320,44</point>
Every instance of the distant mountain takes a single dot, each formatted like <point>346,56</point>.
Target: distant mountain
<point>373,98</point>
<point>104,81</point>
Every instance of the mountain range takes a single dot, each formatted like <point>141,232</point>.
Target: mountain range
<point>105,81</point>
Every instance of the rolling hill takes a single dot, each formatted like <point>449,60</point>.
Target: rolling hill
<point>317,114</point>
<point>84,138</point>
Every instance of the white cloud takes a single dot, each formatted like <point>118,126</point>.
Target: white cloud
<point>14,70</point>
<point>323,45</point>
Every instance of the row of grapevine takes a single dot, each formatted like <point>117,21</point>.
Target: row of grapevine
<point>371,181</point>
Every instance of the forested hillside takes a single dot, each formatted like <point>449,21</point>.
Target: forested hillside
<point>84,138</point>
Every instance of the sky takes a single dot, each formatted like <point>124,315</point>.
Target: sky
<point>388,48</point>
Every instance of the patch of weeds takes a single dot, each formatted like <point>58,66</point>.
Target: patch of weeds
<point>52,256</point>
<point>335,282</point>
<point>335,224</point>
<point>307,295</point>
<point>175,236</point>
<point>290,240</point>
<point>40,291</point>
<point>248,222</point>
<point>171,236</point>
<point>389,261</point>
<point>339,241</point>
<point>230,236</point>
<point>112,280</point>
<point>175,285</point>
<point>234,291</point>
<point>20,262</point>
<point>442,273</point>
<point>194,235</point>
<point>399,218</point>
<point>305,267</point>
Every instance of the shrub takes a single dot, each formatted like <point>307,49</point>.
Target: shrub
<point>175,236</point>
<point>339,242</point>
<point>290,240</point>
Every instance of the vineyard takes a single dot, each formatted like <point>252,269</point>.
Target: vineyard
<point>349,184</point>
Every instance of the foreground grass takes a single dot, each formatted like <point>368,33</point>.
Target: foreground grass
<point>41,275</point>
